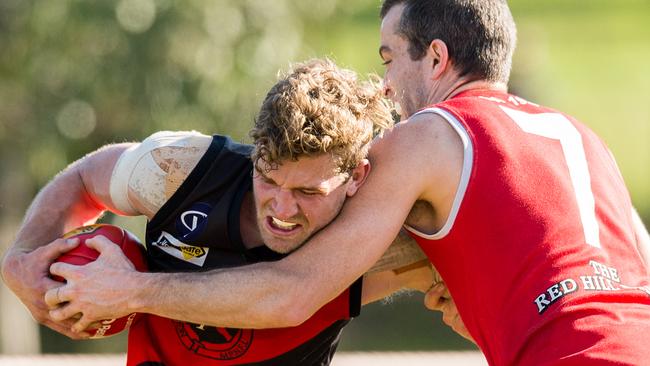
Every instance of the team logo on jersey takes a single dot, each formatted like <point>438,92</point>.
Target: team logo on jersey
<point>176,248</point>
<point>213,342</point>
<point>192,222</point>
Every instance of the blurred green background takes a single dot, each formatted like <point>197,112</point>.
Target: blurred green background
<point>75,75</point>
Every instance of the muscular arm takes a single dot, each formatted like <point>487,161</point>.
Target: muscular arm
<point>79,195</point>
<point>402,266</point>
<point>74,197</point>
<point>407,162</point>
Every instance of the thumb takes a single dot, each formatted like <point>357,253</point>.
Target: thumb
<point>58,247</point>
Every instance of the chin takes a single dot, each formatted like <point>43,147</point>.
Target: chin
<point>282,246</point>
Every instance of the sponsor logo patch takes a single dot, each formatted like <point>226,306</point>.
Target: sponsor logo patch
<point>192,222</point>
<point>176,248</point>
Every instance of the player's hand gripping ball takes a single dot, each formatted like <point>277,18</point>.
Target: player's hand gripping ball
<point>82,254</point>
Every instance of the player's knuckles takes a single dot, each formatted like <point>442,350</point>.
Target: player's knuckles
<point>82,324</point>
<point>101,243</point>
<point>65,270</point>
<point>51,298</point>
<point>56,248</point>
<point>66,315</point>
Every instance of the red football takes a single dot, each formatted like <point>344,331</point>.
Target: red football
<point>82,254</point>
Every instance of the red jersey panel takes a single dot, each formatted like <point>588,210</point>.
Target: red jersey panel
<point>539,252</point>
<point>159,341</point>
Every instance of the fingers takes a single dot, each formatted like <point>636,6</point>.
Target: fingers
<point>56,296</point>
<point>54,250</point>
<point>65,312</point>
<point>82,324</point>
<point>64,329</point>
<point>101,244</point>
<point>449,312</point>
<point>434,298</point>
<point>64,270</point>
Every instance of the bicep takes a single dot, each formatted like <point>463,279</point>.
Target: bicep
<point>137,179</point>
<point>95,174</point>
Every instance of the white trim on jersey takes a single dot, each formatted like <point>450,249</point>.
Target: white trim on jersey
<point>136,156</point>
<point>468,161</point>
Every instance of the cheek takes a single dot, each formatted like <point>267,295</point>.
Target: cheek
<point>320,212</point>
<point>262,195</point>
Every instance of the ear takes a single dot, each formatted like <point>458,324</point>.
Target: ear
<point>359,175</point>
<point>439,56</point>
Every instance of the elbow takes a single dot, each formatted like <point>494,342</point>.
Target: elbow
<point>294,312</point>
<point>294,303</point>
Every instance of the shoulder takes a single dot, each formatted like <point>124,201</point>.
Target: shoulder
<point>425,135</point>
<point>148,173</point>
<point>427,151</point>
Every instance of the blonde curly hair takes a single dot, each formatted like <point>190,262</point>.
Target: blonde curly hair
<point>318,108</point>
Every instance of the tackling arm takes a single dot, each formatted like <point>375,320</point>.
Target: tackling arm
<point>402,266</point>
<point>407,162</point>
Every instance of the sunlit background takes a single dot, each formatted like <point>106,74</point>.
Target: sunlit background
<point>75,75</point>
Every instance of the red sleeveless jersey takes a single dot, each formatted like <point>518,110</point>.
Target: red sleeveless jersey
<point>539,252</point>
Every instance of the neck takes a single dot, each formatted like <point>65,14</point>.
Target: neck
<point>459,85</point>
<point>248,228</point>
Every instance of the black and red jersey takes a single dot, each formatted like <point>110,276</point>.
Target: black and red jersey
<point>197,229</point>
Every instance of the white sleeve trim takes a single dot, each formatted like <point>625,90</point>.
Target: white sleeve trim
<point>468,161</point>
<point>128,161</point>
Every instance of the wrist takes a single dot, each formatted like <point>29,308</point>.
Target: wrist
<point>146,286</point>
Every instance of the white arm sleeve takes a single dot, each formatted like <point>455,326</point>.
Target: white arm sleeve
<point>139,173</point>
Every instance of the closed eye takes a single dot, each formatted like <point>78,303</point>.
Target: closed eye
<point>311,193</point>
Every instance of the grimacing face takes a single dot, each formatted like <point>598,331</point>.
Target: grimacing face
<point>404,79</point>
<point>301,197</point>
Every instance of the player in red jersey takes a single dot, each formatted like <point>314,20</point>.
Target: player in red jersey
<point>521,208</point>
<point>209,208</point>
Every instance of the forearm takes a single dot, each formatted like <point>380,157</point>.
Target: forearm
<point>255,296</point>
<point>420,276</point>
<point>403,252</point>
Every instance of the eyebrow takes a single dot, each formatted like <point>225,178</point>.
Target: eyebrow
<point>301,188</point>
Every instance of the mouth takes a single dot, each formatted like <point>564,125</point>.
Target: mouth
<point>398,108</point>
<point>281,227</point>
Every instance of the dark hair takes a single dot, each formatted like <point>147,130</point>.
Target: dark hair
<point>480,34</point>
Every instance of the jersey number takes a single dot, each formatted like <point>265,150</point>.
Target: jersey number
<point>558,127</point>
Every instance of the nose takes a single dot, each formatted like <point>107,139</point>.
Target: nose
<point>284,204</point>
